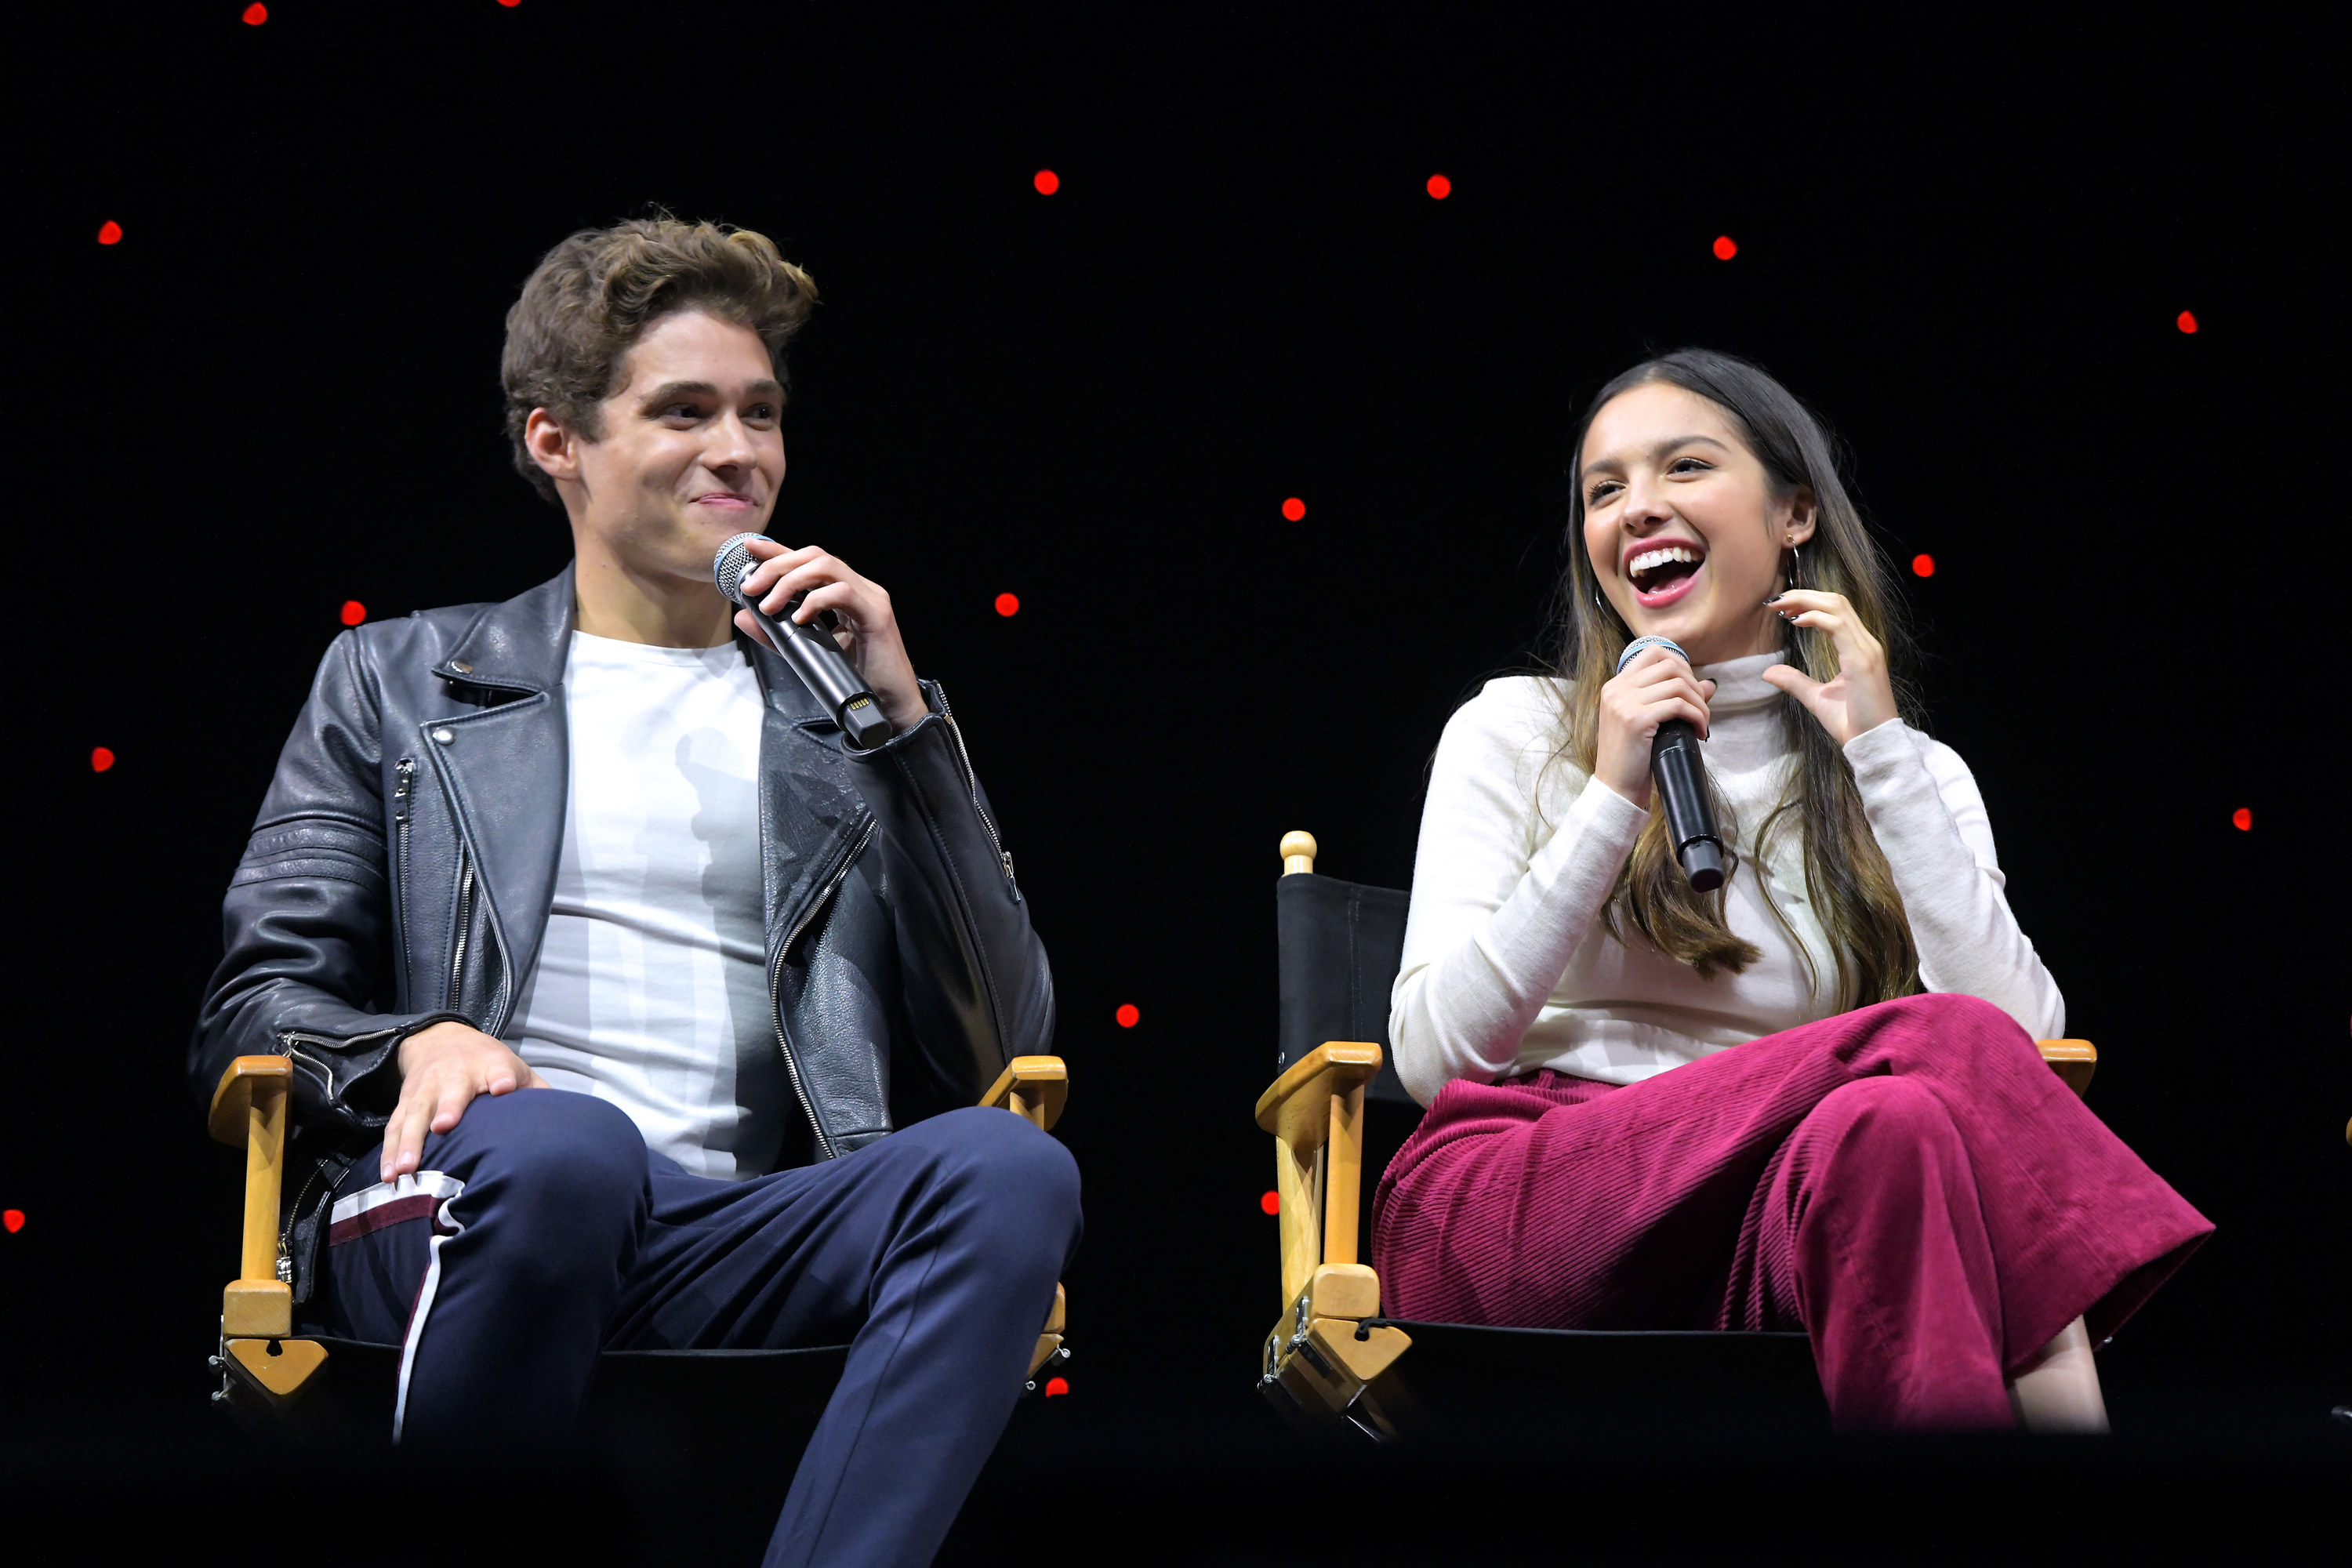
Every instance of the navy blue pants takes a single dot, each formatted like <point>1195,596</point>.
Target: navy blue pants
<point>540,1231</point>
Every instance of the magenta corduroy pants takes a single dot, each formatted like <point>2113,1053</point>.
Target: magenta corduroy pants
<point>1909,1183</point>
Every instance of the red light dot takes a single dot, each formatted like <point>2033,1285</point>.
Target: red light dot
<point>353,612</point>
<point>1725,249</point>
<point>14,1219</point>
<point>1271,1203</point>
<point>1439,187</point>
<point>509,4</point>
<point>2186,320</point>
<point>256,14</point>
<point>2242,820</point>
<point>101,759</point>
<point>1294,509</point>
<point>1047,181</point>
<point>109,233</point>
<point>1007,605</point>
<point>1056,1386</point>
<point>1128,1015</point>
<point>1923,566</point>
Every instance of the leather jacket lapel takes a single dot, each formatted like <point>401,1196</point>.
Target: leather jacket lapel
<point>504,766</point>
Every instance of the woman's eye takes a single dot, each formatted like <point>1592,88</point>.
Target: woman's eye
<point>1600,492</point>
<point>1686,466</point>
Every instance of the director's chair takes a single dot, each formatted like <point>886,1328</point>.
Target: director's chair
<point>1337,1108</point>
<point>723,1430</point>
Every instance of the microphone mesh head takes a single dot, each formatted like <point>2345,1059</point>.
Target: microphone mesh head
<point>1638,643</point>
<point>733,560</point>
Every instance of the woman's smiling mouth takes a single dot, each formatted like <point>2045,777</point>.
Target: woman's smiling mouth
<point>1662,573</point>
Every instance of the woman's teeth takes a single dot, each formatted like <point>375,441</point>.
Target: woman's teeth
<point>1651,560</point>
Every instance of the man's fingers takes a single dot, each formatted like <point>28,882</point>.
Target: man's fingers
<point>834,596</point>
<point>450,1104</point>
<point>748,625</point>
<point>404,1131</point>
<point>403,1140</point>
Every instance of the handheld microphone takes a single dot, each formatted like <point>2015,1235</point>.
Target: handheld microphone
<point>1681,779</point>
<point>812,655</point>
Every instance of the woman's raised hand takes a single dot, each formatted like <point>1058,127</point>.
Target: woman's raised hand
<point>1862,697</point>
<point>1654,687</point>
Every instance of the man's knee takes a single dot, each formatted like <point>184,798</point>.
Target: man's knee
<point>570,1158</point>
<point>1016,1177</point>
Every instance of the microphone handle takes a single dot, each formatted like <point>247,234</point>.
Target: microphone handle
<point>1681,779</point>
<point>830,679</point>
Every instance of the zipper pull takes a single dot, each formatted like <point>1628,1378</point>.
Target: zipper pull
<point>406,773</point>
<point>285,1267</point>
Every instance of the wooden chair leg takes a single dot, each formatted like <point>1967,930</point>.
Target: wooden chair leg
<point>1036,1089</point>
<point>1321,1354</point>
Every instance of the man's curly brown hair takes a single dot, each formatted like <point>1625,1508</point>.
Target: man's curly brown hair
<point>593,296</point>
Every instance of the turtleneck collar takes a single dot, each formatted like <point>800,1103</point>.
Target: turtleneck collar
<point>1744,719</point>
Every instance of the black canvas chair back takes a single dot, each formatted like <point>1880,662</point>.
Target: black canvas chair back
<point>1341,945</point>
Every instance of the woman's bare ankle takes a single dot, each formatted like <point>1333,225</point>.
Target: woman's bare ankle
<point>2059,1389</point>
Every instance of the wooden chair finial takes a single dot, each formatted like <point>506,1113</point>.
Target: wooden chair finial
<point>1297,853</point>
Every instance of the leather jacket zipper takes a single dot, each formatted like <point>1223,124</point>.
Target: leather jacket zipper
<point>972,783</point>
<point>465,928</point>
<point>776,986</point>
<point>286,1218</point>
<point>406,773</point>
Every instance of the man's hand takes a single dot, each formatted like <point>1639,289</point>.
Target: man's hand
<point>868,630</point>
<point>442,1068</point>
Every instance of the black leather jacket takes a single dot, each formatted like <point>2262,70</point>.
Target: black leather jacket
<point>401,871</point>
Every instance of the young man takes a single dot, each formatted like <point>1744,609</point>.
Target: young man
<point>628,1007</point>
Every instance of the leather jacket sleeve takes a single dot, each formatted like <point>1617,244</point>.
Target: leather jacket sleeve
<point>978,989</point>
<point>306,968</point>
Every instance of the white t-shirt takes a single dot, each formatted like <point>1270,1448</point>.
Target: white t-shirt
<point>651,987</point>
<point>1508,968</point>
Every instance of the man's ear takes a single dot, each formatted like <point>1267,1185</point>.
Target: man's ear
<point>1799,515</point>
<point>552,445</point>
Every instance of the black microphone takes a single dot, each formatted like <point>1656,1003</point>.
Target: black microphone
<point>1682,779</point>
<point>814,656</point>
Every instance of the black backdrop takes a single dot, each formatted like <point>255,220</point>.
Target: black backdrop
<point>1967,243</point>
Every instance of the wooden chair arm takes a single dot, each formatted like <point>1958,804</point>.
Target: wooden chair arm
<point>231,1119</point>
<point>1294,1108</point>
<point>1316,1111</point>
<point>1034,1087</point>
<point>2073,1060</point>
<point>249,1107</point>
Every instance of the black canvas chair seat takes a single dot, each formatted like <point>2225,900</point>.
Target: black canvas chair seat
<point>706,1442</point>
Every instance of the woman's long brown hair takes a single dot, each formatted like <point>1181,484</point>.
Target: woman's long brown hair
<point>1846,877</point>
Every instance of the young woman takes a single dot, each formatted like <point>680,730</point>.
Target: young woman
<point>1810,1099</point>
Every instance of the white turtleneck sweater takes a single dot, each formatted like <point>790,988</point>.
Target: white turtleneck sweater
<point>1507,967</point>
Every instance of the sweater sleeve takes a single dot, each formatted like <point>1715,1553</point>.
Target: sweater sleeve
<point>1502,897</point>
<point>1929,820</point>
